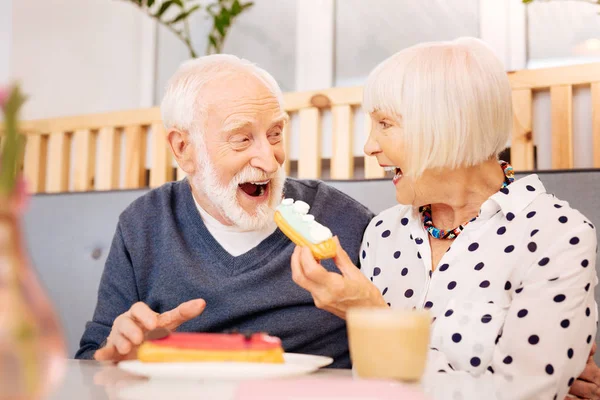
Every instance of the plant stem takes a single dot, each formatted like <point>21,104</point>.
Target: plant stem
<point>183,36</point>
<point>186,27</point>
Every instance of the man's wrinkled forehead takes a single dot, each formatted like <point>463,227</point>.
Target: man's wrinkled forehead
<point>241,102</point>
<point>238,89</point>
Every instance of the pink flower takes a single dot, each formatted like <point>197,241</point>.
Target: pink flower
<point>4,93</point>
<point>21,195</point>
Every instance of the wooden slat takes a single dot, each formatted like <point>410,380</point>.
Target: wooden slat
<point>135,153</point>
<point>561,98</point>
<point>296,101</point>
<point>109,141</point>
<point>59,157</point>
<point>557,76</point>
<point>372,168</point>
<point>36,157</point>
<point>85,160</point>
<point>141,117</point>
<point>309,162</point>
<point>596,122</point>
<point>342,158</point>
<point>287,142</point>
<point>161,170</point>
<point>521,151</point>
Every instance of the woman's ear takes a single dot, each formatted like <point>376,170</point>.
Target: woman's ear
<point>183,150</point>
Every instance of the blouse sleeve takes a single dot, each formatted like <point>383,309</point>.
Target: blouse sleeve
<point>550,325</point>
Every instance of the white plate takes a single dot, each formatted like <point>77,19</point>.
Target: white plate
<point>295,364</point>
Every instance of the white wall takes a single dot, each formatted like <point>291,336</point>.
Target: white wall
<point>265,34</point>
<point>5,39</point>
<point>75,56</point>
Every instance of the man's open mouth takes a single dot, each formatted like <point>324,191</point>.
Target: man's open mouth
<point>255,189</point>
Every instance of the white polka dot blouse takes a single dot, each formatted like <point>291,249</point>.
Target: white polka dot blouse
<point>512,297</point>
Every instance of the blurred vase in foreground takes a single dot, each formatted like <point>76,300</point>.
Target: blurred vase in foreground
<point>32,347</point>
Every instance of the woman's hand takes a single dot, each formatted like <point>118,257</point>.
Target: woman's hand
<point>333,292</point>
<point>587,386</point>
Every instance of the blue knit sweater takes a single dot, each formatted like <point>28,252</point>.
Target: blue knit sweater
<point>163,255</point>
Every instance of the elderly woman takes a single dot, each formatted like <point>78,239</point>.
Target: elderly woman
<point>506,269</point>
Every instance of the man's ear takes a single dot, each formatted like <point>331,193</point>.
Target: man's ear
<point>183,150</point>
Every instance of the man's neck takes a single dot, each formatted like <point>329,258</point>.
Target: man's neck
<point>209,207</point>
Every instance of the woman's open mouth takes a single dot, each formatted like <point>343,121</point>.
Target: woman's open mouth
<point>397,173</point>
<point>255,189</point>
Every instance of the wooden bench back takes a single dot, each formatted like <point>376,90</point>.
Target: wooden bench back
<point>109,151</point>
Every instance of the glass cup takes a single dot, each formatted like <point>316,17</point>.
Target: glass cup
<point>387,343</point>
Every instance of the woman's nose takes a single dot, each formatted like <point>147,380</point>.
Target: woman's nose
<point>371,146</point>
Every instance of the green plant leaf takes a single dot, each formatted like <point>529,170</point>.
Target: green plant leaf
<point>527,1</point>
<point>184,15</point>
<point>219,25</point>
<point>149,3</point>
<point>163,8</point>
<point>236,8</point>
<point>251,3</point>
<point>225,18</point>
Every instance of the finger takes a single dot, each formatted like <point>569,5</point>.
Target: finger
<point>106,353</point>
<point>313,269</point>
<point>582,389</point>
<point>131,331</point>
<point>343,261</point>
<point>591,373</point>
<point>594,348</point>
<point>184,312</point>
<point>297,271</point>
<point>141,313</point>
<point>123,345</point>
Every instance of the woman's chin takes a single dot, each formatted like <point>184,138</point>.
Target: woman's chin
<point>402,199</point>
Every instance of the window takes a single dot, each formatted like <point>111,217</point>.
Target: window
<point>367,32</point>
<point>562,33</point>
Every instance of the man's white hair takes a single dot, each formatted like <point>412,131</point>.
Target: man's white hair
<point>184,104</point>
<point>453,100</point>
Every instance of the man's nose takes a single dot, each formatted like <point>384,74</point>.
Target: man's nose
<point>264,158</point>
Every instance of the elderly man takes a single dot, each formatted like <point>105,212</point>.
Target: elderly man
<point>203,254</point>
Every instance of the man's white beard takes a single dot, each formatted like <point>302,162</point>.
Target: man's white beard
<point>224,197</point>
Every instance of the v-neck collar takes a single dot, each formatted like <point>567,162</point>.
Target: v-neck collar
<point>247,261</point>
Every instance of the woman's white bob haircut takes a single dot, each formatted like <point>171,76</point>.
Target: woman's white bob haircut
<point>452,99</point>
<point>185,101</point>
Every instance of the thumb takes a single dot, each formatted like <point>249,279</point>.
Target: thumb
<point>106,353</point>
<point>343,261</point>
<point>182,313</point>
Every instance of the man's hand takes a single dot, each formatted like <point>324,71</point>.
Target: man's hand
<point>587,386</point>
<point>128,330</point>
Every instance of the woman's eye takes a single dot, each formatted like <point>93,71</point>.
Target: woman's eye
<point>384,124</point>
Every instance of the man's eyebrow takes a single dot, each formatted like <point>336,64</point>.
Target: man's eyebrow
<point>236,124</point>
<point>284,118</point>
<point>242,123</point>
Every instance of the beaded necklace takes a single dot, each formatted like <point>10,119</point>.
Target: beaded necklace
<point>509,177</point>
